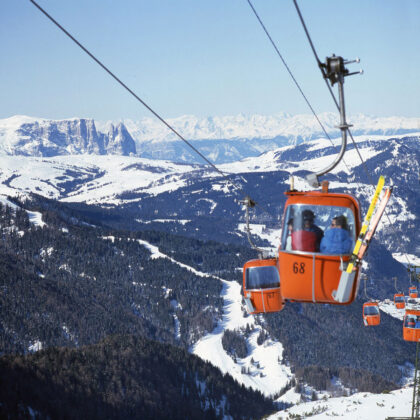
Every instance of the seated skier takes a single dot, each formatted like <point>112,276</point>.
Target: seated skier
<point>337,240</point>
<point>309,237</point>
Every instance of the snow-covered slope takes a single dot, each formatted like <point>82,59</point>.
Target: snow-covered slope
<point>162,190</point>
<point>264,369</point>
<point>35,217</point>
<point>89,178</point>
<point>360,406</point>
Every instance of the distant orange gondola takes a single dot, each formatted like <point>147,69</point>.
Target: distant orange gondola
<point>261,285</point>
<point>399,300</point>
<point>371,314</point>
<point>411,325</point>
<point>412,292</point>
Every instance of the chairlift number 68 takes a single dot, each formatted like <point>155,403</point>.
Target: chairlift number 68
<point>298,268</point>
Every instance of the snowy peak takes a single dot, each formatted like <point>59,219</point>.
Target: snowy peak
<point>27,136</point>
<point>118,141</point>
<point>298,127</point>
<point>222,139</point>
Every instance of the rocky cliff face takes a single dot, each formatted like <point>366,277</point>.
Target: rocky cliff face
<point>36,137</point>
<point>118,141</point>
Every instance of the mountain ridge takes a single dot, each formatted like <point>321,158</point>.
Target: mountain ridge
<point>27,136</point>
<point>221,139</point>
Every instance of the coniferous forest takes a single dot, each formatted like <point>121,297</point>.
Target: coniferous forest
<point>122,377</point>
<point>107,313</point>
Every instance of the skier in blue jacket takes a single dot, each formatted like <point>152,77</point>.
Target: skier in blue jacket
<point>337,240</point>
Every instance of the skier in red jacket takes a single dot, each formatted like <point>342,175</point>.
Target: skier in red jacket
<point>309,237</point>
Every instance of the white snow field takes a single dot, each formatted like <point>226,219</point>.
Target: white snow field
<point>360,406</point>
<point>34,217</point>
<point>269,374</point>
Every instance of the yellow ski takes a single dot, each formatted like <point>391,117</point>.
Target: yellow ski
<point>366,221</point>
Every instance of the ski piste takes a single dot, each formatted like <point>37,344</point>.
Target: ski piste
<point>365,235</point>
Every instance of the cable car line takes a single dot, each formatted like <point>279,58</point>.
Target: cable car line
<point>321,66</point>
<point>162,120</point>
<point>324,75</point>
<point>237,186</point>
<point>365,280</point>
<point>292,76</point>
<point>288,69</point>
<point>224,175</point>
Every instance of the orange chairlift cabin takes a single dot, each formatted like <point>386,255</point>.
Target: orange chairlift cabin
<point>411,324</point>
<point>261,284</point>
<point>412,292</point>
<point>310,262</point>
<point>371,314</point>
<point>309,268</point>
<point>314,248</point>
<point>399,300</point>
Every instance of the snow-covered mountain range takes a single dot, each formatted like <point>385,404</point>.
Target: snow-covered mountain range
<point>158,194</point>
<point>221,139</point>
<point>80,162</point>
<point>28,136</point>
<point>77,161</point>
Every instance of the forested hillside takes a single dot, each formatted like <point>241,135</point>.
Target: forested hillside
<point>122,377</point>
<point>74,282</point>
<point>75,285</point>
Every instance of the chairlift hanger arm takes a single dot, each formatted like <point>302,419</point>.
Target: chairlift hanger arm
<point>335,71</point>
<point>248,203</point>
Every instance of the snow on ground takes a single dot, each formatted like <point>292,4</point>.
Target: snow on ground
<point>267,373</point>
<point>34,216</point>
<point>271,235</point>
<point>35,346</point>
<point>360,406</point>
<point>6,202</point>
<point>212,203</point>
<point>155,253</point>
<point>180,221</point>
<point>101,178</point>
<point>31,174</point>
<point>389,308</point>
<point>268,161</point>
<point>402,258</point>
<point>126,173</point>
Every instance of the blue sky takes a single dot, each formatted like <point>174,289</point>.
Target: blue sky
<point>205,58</point>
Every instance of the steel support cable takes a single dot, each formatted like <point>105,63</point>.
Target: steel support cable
<point>292,76</point>
<point>225,176</point>
<point>365,280</point>
<point>318,61</point>
<point>134,94</point>
<point>338,107</point>
<point>328,85</point>
<point>295,81</point>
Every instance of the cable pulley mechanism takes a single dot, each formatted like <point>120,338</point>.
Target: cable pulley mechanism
<point>335,71</point>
